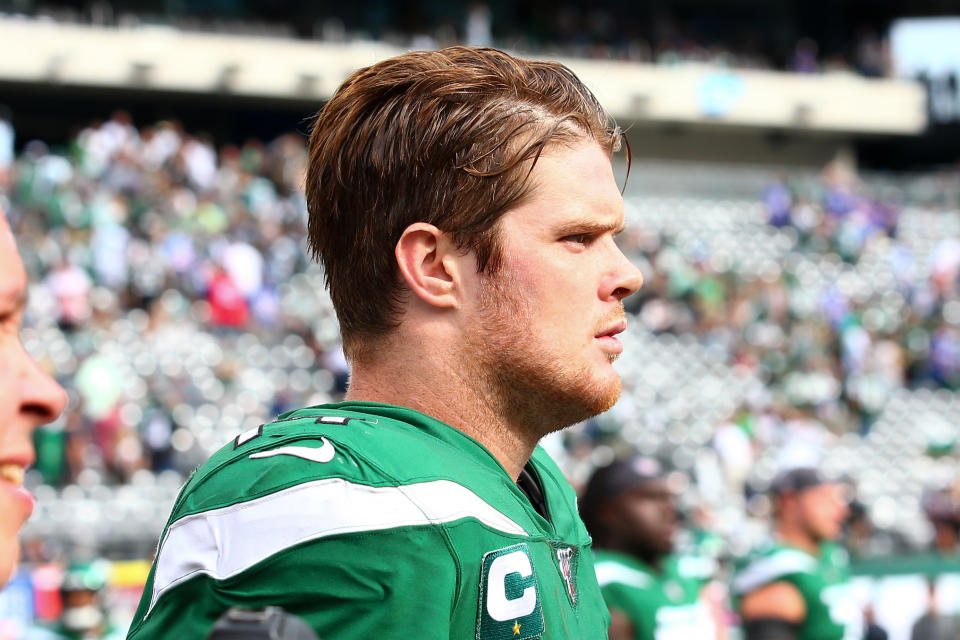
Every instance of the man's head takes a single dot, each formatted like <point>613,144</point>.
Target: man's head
<point>808,504</point>
<point>445,138</point>
<point>628,506</point>
<point>472,192</point>
<point>28,398</point>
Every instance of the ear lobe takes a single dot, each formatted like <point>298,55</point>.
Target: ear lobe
<point>421,254</point>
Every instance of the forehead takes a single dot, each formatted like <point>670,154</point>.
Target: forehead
<point>13,279</point>
<point>650,490</point>
<point>825,489</point>
<point>571,182</point>
<point>820,492</point>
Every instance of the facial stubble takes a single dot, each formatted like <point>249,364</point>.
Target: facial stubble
<point>531,382</point>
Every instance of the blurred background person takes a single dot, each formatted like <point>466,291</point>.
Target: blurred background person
<point>934,624</point>
<point>84,616</point>
<point>628,508</point>
<point>795,587</point>
<point>28,398</point>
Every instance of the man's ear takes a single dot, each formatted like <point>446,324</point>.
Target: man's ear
<point>429,264</point>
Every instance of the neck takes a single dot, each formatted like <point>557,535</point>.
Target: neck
<point>795,536</point>
<point>438,388</point>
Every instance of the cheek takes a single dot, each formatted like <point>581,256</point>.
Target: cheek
<point>528,276</point>
<point>642,517</point>
<point>827,516</point>
<point>542,289</point>
<point>8,381</point>
<point>549,269</point>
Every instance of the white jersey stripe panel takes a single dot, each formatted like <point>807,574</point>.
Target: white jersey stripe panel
<point>771,568</point>
<point>609,572</point>
<point>224,542</point>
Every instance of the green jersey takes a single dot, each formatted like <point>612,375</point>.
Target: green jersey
<point>833,613</point>
<point>373,521</point>
<point>661,605</point>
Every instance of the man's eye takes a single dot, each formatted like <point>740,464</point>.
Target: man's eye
<point>577,238</point>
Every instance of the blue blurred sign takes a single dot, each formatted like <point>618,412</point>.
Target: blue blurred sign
<point>718,93</point>
<point>16,603</point>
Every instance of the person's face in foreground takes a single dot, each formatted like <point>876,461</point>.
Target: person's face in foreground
<point>548,319</point>
<point>28,398</point>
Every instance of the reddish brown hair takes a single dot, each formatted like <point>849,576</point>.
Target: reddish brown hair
<point>444,137</point>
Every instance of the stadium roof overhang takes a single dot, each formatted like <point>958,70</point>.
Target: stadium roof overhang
<point>166,60</point>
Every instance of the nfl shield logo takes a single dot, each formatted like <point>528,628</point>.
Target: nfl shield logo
<point>567,562</point>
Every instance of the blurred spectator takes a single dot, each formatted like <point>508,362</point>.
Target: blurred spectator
<point>873,631</point>
<point>796,585</point>
<point>933,624</point>
<point>628,508</point>
<point>778,200</point>
<point>733,446</point>
<point>805,57</point>
<point>872,53</point>
<point>70,286</point>
<point>228,307</point>
<point>942,508</point>
<point>662,34</point>
<point>84,615</point>
<point>6,142</point>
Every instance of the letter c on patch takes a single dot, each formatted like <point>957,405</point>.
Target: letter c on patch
<point>498,606</point>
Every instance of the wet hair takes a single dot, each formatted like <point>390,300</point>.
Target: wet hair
<point>444,137</point>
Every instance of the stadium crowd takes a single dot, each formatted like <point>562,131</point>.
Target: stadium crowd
<point>173,296</point>
<point>653,35</point>
<point>144,243</point>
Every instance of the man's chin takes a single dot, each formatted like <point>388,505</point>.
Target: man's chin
<point>603,395</point>
<point>9,554</point>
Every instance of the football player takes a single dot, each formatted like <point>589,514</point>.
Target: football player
<point>795,586</point>
<point>628,508</point>
<point>464,208</point>
<point>28,398</point>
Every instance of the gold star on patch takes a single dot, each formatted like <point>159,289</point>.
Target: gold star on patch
<point>516,628</point>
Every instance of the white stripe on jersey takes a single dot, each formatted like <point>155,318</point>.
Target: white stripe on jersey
<point>768,569</point>
<point>609,571</point>
<point>224,542</point>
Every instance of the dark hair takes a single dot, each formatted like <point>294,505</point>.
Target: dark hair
<point>442,137</point>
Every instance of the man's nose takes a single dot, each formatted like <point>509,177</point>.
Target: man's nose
<point>41,396</point>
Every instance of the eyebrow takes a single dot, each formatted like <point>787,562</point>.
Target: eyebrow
<point>589,226</point>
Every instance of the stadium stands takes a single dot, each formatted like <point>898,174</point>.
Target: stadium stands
<point>801,307</point>
<point>787,317</point>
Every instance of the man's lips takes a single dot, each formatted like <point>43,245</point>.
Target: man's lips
<point>607,337</point>
<point>19,494</point>
<point>617,327</point>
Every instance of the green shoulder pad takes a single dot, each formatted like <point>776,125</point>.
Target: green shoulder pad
<point>306,445</point>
